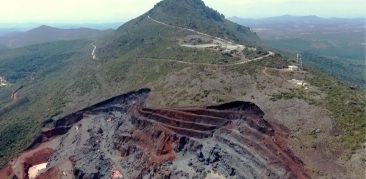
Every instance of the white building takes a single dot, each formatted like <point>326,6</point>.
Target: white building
<point>2,82</point>
<point>293,68</point>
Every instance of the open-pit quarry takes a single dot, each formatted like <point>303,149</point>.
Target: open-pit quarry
<point>123,138</point>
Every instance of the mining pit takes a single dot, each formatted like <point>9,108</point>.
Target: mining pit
<point>123,138</point>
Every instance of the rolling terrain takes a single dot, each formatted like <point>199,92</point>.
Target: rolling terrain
<point>332,45</point>
<point>44,34</point>
<point>215,103</point>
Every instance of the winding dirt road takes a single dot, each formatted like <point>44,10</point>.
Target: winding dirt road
<point>93,52</point>
<point>224,41</point>
<point>207,64</point>
<point>14,94</point>
<point>191,30</point>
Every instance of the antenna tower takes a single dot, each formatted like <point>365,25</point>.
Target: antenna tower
<point>299,60</point>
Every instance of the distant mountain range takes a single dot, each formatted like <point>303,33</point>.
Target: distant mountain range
<point>285,19</point>
<point>45,34</point>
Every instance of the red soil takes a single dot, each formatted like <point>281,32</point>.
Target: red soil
<point>159,131</point>
<point>5,172</point>
<point>267,138</point>
<point>40,156</point>
<point>157,142</point>
<point>26,160</point>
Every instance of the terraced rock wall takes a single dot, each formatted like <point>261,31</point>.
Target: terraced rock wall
<point>122,138</point>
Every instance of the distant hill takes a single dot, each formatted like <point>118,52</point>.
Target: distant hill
<point>2,47</point>
<point>7,31</point>
<point>98,26</point>
<point>299,20</point>
<point>332,45</point>
<point>45,33</point>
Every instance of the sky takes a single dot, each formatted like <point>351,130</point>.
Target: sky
<point>104,11</point>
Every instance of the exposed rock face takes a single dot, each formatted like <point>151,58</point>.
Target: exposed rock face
<point>121,138</point>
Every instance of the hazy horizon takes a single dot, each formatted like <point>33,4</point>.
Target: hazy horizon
<point>28,25</point>
<point>112,11</point>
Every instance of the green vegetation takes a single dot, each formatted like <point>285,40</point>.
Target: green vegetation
<point>339,67</point>
<point>46,71</point>
<point>137,38</point>
<point>13,136</point>
<point>276,61</point>
<point>44,34</point>
<point>65,75</point>
<point>333,47</point>
<point>346,104</point>
<point>189,55</point>
<point>250,54</point>
<point>19,64</point>
<point>274,72</point>
<point>194,14</point>
<point>67,79</point>
<point>336,54</point>
<point>299,93</point>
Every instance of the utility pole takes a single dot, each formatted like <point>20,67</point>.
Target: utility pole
<point>299,60</point>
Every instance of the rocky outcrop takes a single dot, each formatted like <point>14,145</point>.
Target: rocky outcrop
<point>122,138</point>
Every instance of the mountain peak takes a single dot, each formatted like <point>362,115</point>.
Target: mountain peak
<point>175,19</point>
<point>194,14</point>
<point>185,9</point>
<point>195,3</point>
<point>45,27</point>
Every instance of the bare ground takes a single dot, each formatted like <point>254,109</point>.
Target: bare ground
<point>313,134</point>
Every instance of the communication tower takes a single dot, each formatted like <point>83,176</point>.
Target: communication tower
<point>299,60</point>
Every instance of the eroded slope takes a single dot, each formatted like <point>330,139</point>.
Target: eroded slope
<point>122,138</point>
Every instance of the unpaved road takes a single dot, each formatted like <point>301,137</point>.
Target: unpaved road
<point>191,30</point>
<point>223,41</point>
<point>14,94</point>
<point>227,43</point>
<point>93,52</point>
<point>208,64</point>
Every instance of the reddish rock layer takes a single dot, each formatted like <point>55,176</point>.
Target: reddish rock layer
<point>267,139</point>
<point>7,171</point>
<point>38,157</point>
<point>122,136</point>
<point>159,149</point>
